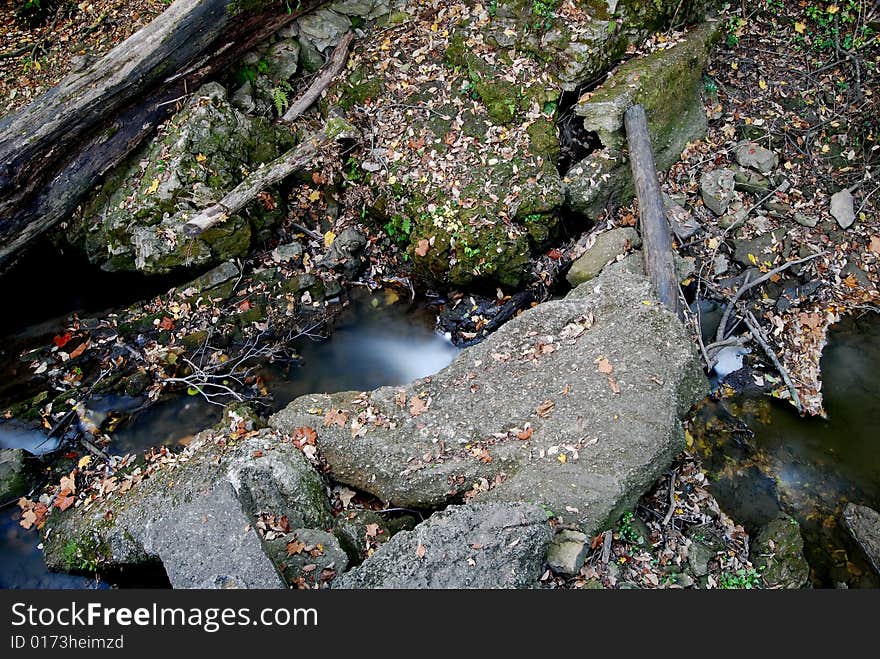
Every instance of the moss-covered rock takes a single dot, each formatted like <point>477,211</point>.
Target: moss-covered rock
<point>778,554</point>
<point>135,221</point>
<point>14,477</point>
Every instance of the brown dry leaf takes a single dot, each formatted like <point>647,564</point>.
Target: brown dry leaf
<point>304,435</point>
<point>875,244</point>
<point>68,483</point>
<point>64,500</point>
<point>604,366</point>
<point>372,530</point>
<point>295,547</point>
<point>421,550</point>
<point>613,384</point>
<point>545,408</point>
<point>336,418</point>
<point>80,349</point>
<point>422,247</point>
<point>525,434</point>
<point>418,405</point>
<point>166,323</point>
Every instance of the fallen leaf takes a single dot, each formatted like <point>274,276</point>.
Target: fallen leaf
<point>372,530</point>
<point>422,247</point>
<point>295,547</point>
<point>421,550</point>
<point>62,340</point>
<point>525,434</point>
<point>336,418</point>
<point>80,349</point>
<point>545,408</point>
<point>418,405</point>
<point>604,366</point>
<point>166,323</point>
<point>329,237</point>
<point>84,462</point>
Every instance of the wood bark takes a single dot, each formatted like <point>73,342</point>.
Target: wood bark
<point>56,149</point>
<point>331,69</point>
<point>305,153</point>
<point>659,263</point>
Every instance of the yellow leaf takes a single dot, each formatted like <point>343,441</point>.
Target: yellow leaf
<point>753,260</point>
<point>153,186</point>
<point>315,195</point>
<point>84,461</point>
<point>762,84</point>
<point>799,27</point>
<point>688,439</point>
<point>833,9</point>
<point>201,157</point>
<point>561,457</point>
<point>329,237</point>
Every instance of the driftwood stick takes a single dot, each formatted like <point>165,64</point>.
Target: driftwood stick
<point>720,335</point>
<point>659,262</point>
<point>752,323</point>
<point>305,153</point>
<point>671,510</point>
<point>335,63</point>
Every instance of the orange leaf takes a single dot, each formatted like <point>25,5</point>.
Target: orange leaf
<point>62,340</point>
<point>525,434</point>
<point>166,323</point>
<point>80,349</point>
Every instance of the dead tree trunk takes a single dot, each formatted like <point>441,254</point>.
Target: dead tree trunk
<point>659,263</point>
<point>57,148</point>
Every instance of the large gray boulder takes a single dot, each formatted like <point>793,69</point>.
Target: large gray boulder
<point>473,546</point>
<point>863,523</point>
<point>576,405</point>
<point>609,245</point>
<point>196,514</point>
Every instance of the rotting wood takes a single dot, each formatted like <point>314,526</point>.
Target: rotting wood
<point>334,66</point>
<point>57,148</point>
<point>659,263</point>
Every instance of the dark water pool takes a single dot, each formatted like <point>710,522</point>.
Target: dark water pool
<point>766,458</point>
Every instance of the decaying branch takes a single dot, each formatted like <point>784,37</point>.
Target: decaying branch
<point>335,63</point>
<point>755,329</point>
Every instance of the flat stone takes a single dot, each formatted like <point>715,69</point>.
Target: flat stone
<point>567,552</point>
<point>482,545</point>
<point>842,208</point>
<point>863,524</point>
<point>806,221</point>
<point>754,156</point>
<point>594,441</point>
<point>717,190</point>
<point>323,28</point>
<point>609,245</point>
<point>289,252</point>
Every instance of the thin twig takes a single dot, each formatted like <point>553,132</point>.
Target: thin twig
<point>752,323</point>
<point>671,509</point>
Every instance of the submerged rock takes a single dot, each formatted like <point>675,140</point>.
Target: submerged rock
<point>135,221</point>
<point>863,524</point>
<point>196,515</point>
<point>14,480</point>
<point>778,553</point>
<point>575,404</point>
<point>488,545</point>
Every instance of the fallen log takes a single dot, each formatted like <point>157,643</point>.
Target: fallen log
<point>657,242</point>
<point>57,148</point>
<point>302,155</point>
<point>335,63</point>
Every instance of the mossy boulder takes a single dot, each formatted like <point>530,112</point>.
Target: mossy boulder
<point>778,554</point>
<point>135,221</point>
<point>14,476</point>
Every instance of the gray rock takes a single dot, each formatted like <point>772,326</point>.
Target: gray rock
<point>485,545</point>
<point>368,9</point>
<point>209,542</point>
<point>608,246</point>
<point>751,182</point>
<point>346,252</point>
<point>704,545</point>
<point>289,252</point>
<point>717,190</point>
<point>308,557</point>
<point>310,59</point>
<point>778,553</point>
<point>197,518</point>
<point>323,28</point>
<point>753,252</point>
<point>357,530</point>
<point>805,221</point>
<point>683,224</point>
<point>14,480</point>
<point>215,277</point>
<point>567,552</point>
<point>863,524</point>
<point>284,57</point>
<point>754,156</point>
<point>591,451</point>
<point>842,208</point>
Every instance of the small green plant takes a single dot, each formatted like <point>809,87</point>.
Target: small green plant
<point>545,10</point>
<point>747,579</point>
<point>399,229</point>
<point>353,171</point>
<point>280,98</point>
<point>626,530</point>
<point>731,28</point>
<point>710,86</point>
<point>33,12</point>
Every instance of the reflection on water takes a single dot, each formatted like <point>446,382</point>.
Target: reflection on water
<point>17,435</point>
<point>766,457</point>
